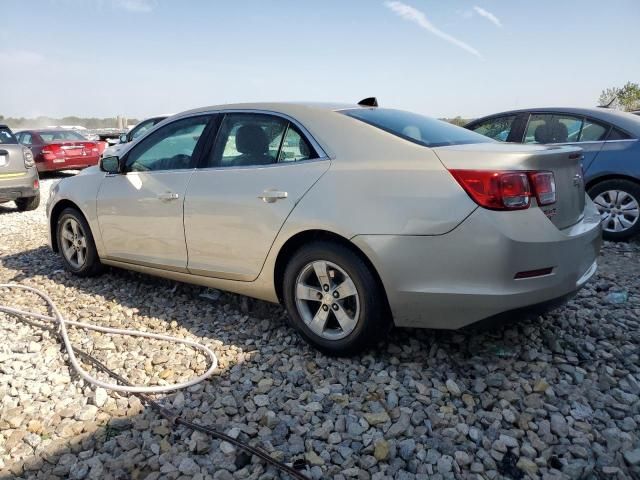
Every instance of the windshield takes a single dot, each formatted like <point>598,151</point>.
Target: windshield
<point>6,136</point>
<point>416,128</point>
<point>61,136</point>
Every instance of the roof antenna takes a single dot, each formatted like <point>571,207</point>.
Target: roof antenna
<point>608,105</point>
<point>368,102</point>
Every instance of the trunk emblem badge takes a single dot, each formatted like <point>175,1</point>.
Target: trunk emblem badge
<point>577,180</point>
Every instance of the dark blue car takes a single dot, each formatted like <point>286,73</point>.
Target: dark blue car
<point>611,147</point>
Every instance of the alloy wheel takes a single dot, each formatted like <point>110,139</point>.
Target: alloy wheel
<point>618,209</point>
<point>327,300</point>
<point>74,243</point>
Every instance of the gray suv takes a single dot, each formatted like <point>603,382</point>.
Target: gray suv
<point>18,175</point>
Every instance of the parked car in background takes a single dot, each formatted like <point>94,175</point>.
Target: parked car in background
<point>136,132</point>
<point>611,148</point>
<point>355,218</point>
<point>55,150</point>
<point>18,174</point>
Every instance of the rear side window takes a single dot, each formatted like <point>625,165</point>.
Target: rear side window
<point>616,134</point>
<point>416,128</point>
<point>593,132</point>
<point>496,128</point>
<point>6,137</point>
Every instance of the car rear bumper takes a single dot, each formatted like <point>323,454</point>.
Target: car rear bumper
<point>74,163</point>
<point>452,280</point>
<point>13,186</point>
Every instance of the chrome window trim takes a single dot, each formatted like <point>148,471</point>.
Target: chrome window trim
<point>270,165</point>
<point>588,142</point>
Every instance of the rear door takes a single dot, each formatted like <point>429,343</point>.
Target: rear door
<point>256,172</point>
<point>140,212</point>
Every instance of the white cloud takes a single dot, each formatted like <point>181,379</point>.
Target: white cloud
<point>138,6</point>
<point>414,15</point>
<point>488,15</point>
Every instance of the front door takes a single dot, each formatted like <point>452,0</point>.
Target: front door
<point>140,211</point>
<point>258,169</point>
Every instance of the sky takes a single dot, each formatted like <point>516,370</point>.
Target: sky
<point>139,58</point>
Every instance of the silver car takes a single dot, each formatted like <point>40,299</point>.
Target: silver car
<point>18,174</point>
<point>356,218</point>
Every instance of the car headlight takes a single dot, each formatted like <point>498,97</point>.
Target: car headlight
<point>28,157</point>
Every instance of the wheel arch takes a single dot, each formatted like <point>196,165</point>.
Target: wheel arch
<point>611,176</point>
<point>57,209</point>
<point>301,238</point>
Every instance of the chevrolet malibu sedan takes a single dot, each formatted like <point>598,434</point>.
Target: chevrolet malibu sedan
<point>356,218</point>
<point>610,143</point>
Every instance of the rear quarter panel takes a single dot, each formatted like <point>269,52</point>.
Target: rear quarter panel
<point>617,158</point>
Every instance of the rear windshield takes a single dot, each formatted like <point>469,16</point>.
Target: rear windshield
<point>61,136</point>
<point>6,136</point>
<point>416,128</point>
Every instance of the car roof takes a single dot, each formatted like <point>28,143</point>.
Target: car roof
<point>623,120</point>
<point>282,107</point>
<point>2,125</point>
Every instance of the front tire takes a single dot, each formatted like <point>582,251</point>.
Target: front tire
<point>26,204</point>
<point>76,244</point>
<point>618,202</point>
<point>334,299</point>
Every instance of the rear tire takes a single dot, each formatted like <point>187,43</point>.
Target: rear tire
<point>76,245</point>
<point>618,202</point>
<point>26,204</point>
<point>342,312</point>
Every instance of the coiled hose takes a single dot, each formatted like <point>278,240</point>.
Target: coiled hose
<point>123,385</point>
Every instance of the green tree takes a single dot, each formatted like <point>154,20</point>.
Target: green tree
<point>625,98</point>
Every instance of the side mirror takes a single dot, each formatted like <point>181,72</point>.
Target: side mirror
<point>123,138</point>
<point>110,164</point>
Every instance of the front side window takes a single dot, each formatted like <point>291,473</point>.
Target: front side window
<point>246,139</point>
<point>6,137</point>
<point>416,128</point>
<point>553,128</point>
<point>170,148</point>
<point>496,128</point>
<point>26,138</point>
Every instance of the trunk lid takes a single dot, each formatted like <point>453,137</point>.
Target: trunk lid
<point>73,149</point>
<point>564,162</point>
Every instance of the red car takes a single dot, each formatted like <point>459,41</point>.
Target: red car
<point>59,149</point>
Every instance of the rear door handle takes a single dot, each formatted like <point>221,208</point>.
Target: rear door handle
<point>270,196</point>
<point>165,197</point>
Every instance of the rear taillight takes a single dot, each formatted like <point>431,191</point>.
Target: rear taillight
<point>510,190</point>
<point>51,152</point>
<point>545,187</point>
<point>28,157</point>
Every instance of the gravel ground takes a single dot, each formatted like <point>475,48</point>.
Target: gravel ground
<point>549,397</point>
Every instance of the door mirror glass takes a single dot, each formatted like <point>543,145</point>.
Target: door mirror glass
<point>123,138</point>
<point>110,164</point>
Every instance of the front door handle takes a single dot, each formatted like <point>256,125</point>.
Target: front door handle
<point>165,197</point>
<point>270,196</point>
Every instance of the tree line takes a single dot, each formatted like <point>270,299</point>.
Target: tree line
<point>44,121</point>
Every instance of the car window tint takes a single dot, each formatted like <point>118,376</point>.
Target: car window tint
<point>496,128</point>
<point>248,139</point>
<point>617,134</point>
<point>6,136</point>
<point>170,148</point>
<point>593,132</point>
<point>142,128</point>
<point>416,128</point>
<point>548,128</point>
<point>295,147</point>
